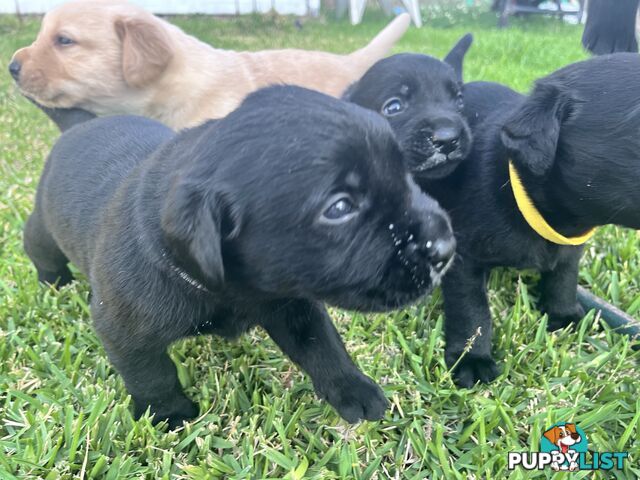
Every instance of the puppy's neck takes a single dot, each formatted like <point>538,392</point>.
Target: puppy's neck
<point>555,204</point>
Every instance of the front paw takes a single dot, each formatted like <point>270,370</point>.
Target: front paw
<point>175,411</point>
<point>355,397</point>
<point>560,320</point>
<point>472,368</point>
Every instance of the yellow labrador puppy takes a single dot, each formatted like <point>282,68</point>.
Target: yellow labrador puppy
<point>112,57</point>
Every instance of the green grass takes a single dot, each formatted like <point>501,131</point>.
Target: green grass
<point>64,412</point>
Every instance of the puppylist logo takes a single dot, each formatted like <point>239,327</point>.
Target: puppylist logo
<point>563,447</point>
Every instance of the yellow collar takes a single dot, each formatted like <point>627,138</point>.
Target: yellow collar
<point>535,219</point>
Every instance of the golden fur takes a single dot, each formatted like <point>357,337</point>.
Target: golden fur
<point>123,59</point>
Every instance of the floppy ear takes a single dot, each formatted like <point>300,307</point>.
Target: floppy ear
<point>531,133</point>
<point>553,434</point>
<point>146,49</point>
<point>455,57</point>
<point>192,223</point>
<point>571,427</point>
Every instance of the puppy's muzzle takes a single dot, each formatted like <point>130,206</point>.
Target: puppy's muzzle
<point>429,245</point>
<point>436,147</point>
<point>446,139</point>
<point>436,248</point>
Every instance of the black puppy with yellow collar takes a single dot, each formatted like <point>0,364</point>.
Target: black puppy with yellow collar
<point>544,170</point>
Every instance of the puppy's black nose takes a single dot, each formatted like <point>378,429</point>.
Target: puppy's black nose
<point>14,69</point>
<point>440,252</point>
<point>436,248</point>
<point>445,139</point>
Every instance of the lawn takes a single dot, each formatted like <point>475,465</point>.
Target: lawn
<point>64,412</point>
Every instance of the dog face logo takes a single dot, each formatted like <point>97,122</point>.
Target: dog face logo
<point>564,436</point>
<point>567,439</point>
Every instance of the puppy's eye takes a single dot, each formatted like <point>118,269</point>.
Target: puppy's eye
<point>340,210</point>
<point>64,41</point>
<point>460,101</point>
<point>392,107</point>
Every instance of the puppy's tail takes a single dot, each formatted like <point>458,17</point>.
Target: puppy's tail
<point>381,43</point>
<point>65,118</point>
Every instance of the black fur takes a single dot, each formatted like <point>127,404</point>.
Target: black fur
<point>65,118</point>
<point>611,26</point>
<point>428,122</point>
<point>233,224</point>
<point>575,142</point>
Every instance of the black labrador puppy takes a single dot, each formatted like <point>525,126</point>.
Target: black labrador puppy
<point>611,26</point>
<point>253,220</point>
<point>565,157</point>
<point>421,97</point>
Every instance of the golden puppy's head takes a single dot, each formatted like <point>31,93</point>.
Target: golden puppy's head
<point>94,55</point>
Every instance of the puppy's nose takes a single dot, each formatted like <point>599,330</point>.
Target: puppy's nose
<point>446,139</point>
<point>436,247</point>
<point>14,69</point>
<point>440,244</point>
<point>441,252</point>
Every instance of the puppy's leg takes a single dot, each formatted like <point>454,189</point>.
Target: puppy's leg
<point>45,254</point>
<point>559,291</point>
<point>305,332</point>
<point>467,310</point>
<point>139,352</point>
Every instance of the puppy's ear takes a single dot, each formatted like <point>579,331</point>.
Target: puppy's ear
<point>191,219</point>
<point>455,57</point>
<point>531,133</point>
<point>146,49</point>
<point>552,435</point>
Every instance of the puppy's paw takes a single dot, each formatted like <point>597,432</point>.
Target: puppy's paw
<point>355,397</point>
<point>177,420</point>
<point>560,320</point>
<point>174,412</point>
<point>472,368</point>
